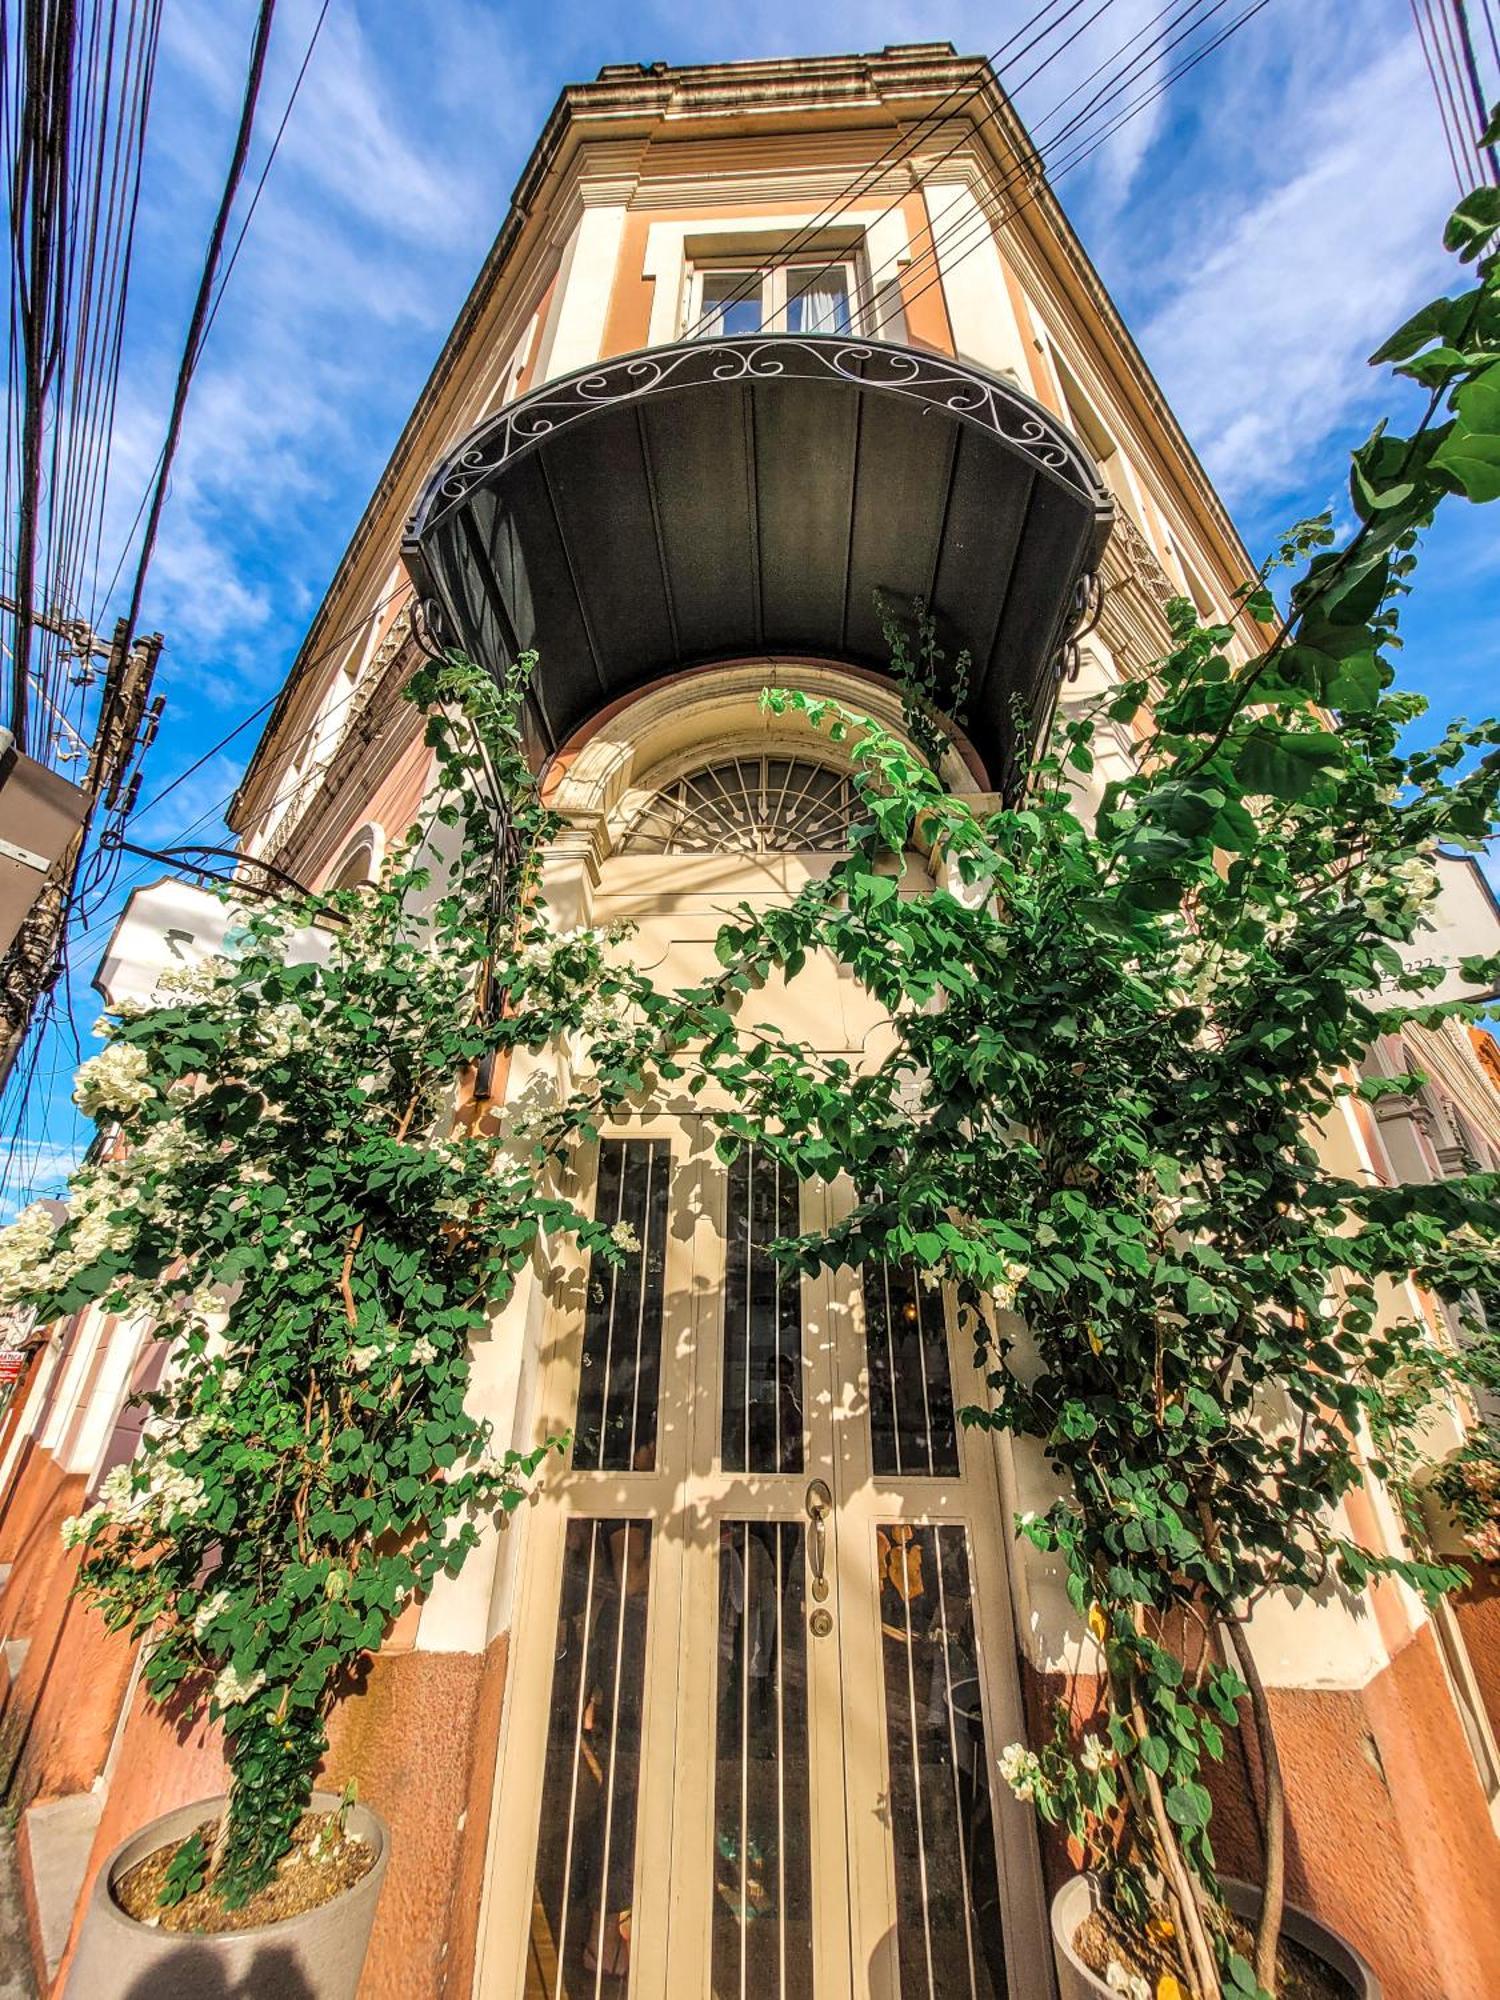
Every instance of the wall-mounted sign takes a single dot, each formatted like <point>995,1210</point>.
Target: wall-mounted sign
<point>171,924</point>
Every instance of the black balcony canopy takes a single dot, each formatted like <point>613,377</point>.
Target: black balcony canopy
<point>762,496</point>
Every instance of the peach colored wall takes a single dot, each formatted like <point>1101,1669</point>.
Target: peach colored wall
<point>1478,1614</point>
<point>394,803</point>
<point>420,1740</point>
<point>1043,376</point>
<point>629,319</point>
<point>921,292</point>
<point>418,1735</point>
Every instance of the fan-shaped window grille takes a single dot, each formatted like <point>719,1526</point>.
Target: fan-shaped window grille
<point>749,805</point>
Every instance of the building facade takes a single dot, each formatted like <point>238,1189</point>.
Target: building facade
<point>765,356</point>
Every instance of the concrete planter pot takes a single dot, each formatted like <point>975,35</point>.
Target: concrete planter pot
<point>1077,1898</point>
<point>317,1955</point>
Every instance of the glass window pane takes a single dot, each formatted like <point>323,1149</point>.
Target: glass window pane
<point>723,309</point>
<point>949,1939</point>
<point>762,1398</point>
<point>753,805</point>
<point>621,1364</point>
<point>817,301</point>
<point>912,1428</point>
<point>585,1873</point>
<point>762,1862</point>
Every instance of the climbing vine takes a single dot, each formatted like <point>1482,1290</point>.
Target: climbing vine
<point>1117,1035</point>
<point>289,1192</point>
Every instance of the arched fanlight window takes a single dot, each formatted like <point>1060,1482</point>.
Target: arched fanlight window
<point>746,805</point>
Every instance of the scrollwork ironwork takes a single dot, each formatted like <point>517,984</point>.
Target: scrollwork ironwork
<point>956,388</point>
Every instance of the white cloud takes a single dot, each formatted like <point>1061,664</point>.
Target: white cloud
<point>1261,346</point>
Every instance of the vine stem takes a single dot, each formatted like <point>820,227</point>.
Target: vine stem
<point>1200,1952</point>
<point>1273,1892</point>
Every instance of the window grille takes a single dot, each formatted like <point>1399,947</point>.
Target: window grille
<point>747,805</point>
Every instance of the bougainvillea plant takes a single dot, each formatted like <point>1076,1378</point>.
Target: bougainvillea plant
<point>1118,1033</point>
<point>287,1195</point>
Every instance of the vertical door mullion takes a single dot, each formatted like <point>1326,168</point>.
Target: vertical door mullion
<point>697,1373</point>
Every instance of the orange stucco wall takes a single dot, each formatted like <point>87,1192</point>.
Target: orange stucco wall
<point>629,320</point>
<point>418,1736</point>
<point>1478,1613</point>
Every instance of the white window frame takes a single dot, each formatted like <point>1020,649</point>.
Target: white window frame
<point>775,288</point>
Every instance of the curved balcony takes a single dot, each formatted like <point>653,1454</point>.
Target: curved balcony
<point>757,495</point>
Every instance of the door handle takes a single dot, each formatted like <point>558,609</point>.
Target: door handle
<point>819,1507</point>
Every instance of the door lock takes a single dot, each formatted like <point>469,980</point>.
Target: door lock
<point>819,1507</point>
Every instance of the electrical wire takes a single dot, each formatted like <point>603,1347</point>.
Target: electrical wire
<point>1033,160</point>
<point>201,303</point>
<point>1091,146</point>
<point>228,272</point>
<point>899,150</point>
<point>1417,15</point>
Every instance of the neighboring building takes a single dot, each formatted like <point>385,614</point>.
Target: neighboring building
<point>632,1734</point>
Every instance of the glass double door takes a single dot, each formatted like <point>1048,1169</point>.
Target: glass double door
<point>760,1663</point>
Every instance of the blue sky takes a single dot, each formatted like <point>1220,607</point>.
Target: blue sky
<point>1262,227</point>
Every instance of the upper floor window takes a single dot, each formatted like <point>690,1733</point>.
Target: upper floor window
<point>747,805</point>
<point>809,297</point>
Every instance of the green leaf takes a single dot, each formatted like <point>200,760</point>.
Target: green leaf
<point>1473,223</point>
<point>1474,461</point>
<point>1288,764</point>
<point>1189,1805</point>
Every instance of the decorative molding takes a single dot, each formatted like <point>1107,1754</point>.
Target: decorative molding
<point>369,710</point>
<point>1136,592</point>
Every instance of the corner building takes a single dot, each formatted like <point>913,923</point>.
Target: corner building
<point>757,346</point>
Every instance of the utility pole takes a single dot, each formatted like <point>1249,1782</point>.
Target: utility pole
<point>127,722</point>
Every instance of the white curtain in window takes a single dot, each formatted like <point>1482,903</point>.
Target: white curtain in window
<point>824,301</point>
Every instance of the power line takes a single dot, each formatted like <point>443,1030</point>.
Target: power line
<point>1092,145</point>
<point>229,265</point>
<point>1419,15</point>
<point>899,149</point>
<point>1033,159</point>
<point>201,303</point>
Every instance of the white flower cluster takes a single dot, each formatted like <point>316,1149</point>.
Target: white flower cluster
<point>80,1528</point>
<point>624,1238</point>
<point>167,1492</point>
<point>31,1262</point>
<point>210,1609</point>
<point>423,1352</point>
<point>1004,1294</point>
<point>607,1016</point>
<point>25,1250</point>
<point>168,1146</point>
<point>1129,1985</point>
<point>188,983</point>
<point>1021,1769</point>
<point>1203,966</point>
<point>540,954</point>
<point>115,1081</point>
<point>231,1688</point>
<point>1405,893</point>
<point>282,1031</point>
<point>1094,1753</point>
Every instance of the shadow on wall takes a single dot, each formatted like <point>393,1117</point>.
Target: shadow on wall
<point>195,1973</point>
